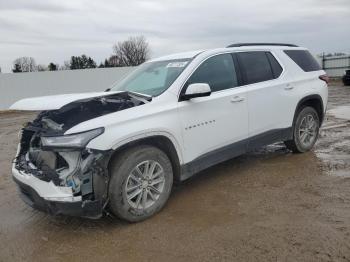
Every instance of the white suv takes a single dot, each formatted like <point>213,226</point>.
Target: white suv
<point>172,117</point>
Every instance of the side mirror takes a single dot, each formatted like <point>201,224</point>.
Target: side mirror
<point>196,90</point>
<point>107,90</point>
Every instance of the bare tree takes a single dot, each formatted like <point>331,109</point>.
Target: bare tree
<point>25,64</point>
<point>42,68</point>
<point>113,61</point>
<point>131,52</point>
<point>65,66</point>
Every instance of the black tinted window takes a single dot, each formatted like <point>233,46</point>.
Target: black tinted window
<point>218,71</point>
<point>276,67</point>
<point>256,66</point>
<point>304,60</point>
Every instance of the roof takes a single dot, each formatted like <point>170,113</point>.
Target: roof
<point>183,55</point>
<point>233,47</point>
<point>261,44</point>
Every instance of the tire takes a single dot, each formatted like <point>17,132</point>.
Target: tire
<point>305,130</point>
<point>129,176</point>
<point>346,82</point>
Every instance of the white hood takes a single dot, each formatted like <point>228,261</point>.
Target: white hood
<point>53,102</point>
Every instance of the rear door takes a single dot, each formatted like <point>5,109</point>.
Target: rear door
<point>212,126</point>
<point>269,96</point>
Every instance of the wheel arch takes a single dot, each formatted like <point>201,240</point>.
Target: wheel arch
<point>160,141</point>
<point>314,101</point>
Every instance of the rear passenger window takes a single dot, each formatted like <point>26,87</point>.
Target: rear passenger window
<point>304,60</point>
<point>218,71</point>
<point>256,66</point>
<point>276,67</point>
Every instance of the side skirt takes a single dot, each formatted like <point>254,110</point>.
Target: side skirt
<point>233,150</point>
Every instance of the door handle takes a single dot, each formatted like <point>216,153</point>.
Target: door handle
<point>289,87</point>
<point>237,99</point>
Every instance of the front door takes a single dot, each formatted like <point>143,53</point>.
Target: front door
<point>215,126</point>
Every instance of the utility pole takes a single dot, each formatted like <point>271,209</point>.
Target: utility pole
<point>323,61</point>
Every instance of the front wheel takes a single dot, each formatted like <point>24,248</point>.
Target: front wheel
<point>141,182</point>
<point>305,131</point>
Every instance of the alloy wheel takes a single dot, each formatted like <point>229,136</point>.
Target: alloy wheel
<point>307,130</point>
<point>145,184</point>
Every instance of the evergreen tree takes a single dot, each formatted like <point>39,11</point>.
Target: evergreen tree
<point>91,63</point>
<point>107,63</point>
<point>17,68</point>
<point>73,63</point>
<point>52,67</point>
<point>82,62</point>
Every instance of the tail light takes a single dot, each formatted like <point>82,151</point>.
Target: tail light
<point>324,78</point>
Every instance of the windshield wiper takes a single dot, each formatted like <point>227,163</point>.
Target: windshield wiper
<point>142,97</point>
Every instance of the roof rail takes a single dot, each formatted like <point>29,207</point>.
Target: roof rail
<point>259,44</point>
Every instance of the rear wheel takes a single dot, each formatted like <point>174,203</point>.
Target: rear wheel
<point>141,182</point>
<point>305,131</point>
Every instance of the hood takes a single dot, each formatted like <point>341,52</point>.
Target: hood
<point>54,102</point>
<point>58,121</point>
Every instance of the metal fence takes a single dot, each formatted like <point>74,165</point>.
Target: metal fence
<point>335,66</point>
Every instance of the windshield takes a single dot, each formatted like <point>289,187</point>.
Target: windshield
<point>152,78</point>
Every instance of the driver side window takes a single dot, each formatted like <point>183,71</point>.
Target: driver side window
<point>217,71</point>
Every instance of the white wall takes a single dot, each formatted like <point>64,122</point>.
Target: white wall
<point>23,85</point>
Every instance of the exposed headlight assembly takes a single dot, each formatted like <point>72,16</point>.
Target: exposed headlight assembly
<point>78,140</point>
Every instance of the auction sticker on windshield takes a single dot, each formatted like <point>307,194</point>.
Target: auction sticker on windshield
<point>177,64</point>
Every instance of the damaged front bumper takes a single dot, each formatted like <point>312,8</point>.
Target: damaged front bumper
<point>55,199</point>
<point>33,189</point>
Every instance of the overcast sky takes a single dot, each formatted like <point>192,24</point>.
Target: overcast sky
<point>54,30</point>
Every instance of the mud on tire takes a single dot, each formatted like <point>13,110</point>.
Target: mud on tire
<point>305,130</point>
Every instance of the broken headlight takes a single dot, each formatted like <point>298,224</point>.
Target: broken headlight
<point>78,140</point>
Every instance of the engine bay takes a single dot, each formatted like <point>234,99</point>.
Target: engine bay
<point>83,170</point>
